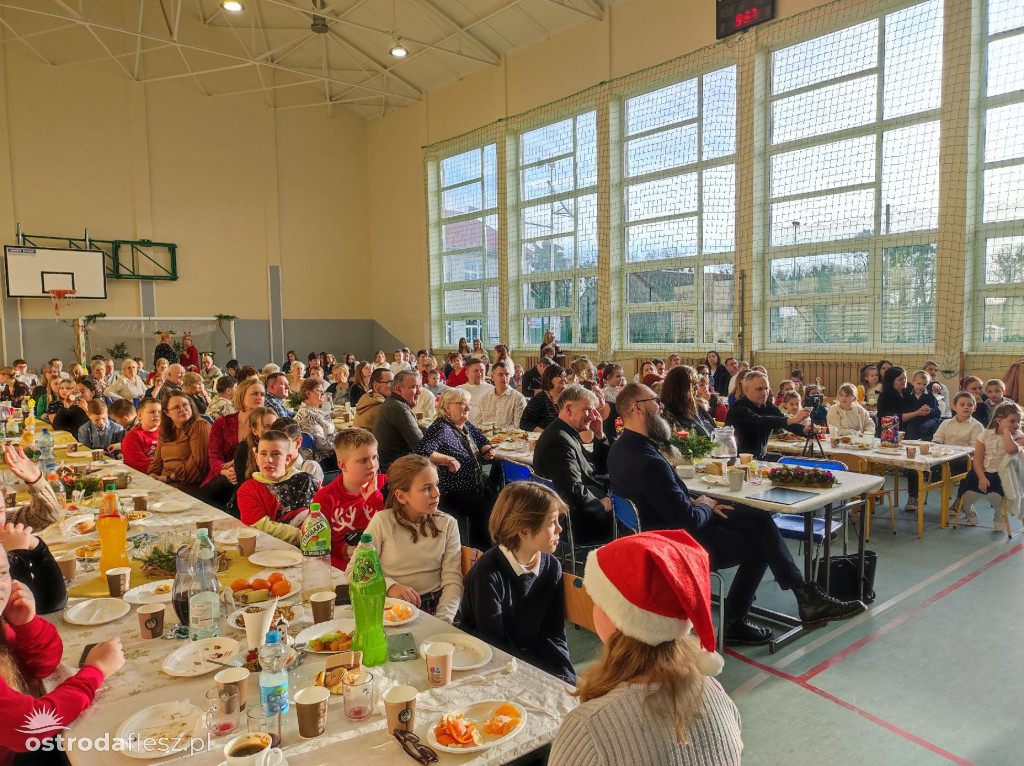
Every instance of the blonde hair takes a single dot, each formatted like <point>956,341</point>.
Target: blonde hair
<point>126,362</point>
<point>238,400</point>
<point>674,665</point>
<point>522,505</point>
<point>847,388</point>
<point>1004,410</point>
<point>254,419</point>
<point>401,475</point>
<point>350,438</point>
<point>922,374</point>
<point>995,382</point>
<point>96,407</point>
<point>790,396</point>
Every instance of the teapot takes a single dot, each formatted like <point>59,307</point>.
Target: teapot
<point>723,444</point>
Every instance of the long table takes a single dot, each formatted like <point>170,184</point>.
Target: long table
<point>141,683</point>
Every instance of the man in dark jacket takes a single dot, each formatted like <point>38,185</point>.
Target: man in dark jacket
<point>532,377</point>
<point>395,428</point>
<point>754,418</point>
<point>746,538</point>
<point>560,457</point>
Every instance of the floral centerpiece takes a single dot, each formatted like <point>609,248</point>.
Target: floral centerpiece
<point>802,477</point>
<point>691,446</point>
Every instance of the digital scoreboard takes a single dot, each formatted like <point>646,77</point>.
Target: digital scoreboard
<point>736,15</point>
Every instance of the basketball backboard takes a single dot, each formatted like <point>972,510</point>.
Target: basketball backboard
<point>32,272</point>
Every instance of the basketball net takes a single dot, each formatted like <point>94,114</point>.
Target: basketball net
<point>61,298</point>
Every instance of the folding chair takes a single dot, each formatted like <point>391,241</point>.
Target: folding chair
<point>1006,515</point>
<point>572,560</point>
<point>857,464</point>
<point>513,471</point>
<point>791,525</point>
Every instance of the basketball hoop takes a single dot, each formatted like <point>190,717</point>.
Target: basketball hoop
<point>61,297</point>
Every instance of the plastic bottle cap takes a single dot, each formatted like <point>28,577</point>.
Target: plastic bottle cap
<point>273,636</point>
<point>202,532</point>
<point>51,476</point>
<point>314,507</point>
<point>365,538</point>
<point>111,487</point>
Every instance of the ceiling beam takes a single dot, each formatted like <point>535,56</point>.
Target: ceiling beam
<point>24,41</point>
<point>588,10</point>
<point>453,25</point>
<point>344,42</point>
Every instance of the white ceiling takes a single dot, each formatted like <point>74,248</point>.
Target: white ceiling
<point>270,52</point>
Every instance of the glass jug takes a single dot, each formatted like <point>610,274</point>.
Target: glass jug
<point>723,445</point>
<point>179,593</point>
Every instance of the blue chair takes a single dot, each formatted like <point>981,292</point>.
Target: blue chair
<point>515,471</point>
<point>576,554</point>
<point>307,442</point>
<point>207,418</point>
<point>791,525</point>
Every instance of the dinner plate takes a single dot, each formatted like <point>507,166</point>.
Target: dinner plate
<point>395,623</point>
<point>174,722</point>
<point>235,618</point>
<point>226,537</point>
<point>190,659</point>
<point>478,713</point>
<point>96,611</point>
<point>470,652</point>
<point>169,506</point>
<point>276,559</point>
<point>146,593</point>
<point>347,625</point>
<point>79,453</point>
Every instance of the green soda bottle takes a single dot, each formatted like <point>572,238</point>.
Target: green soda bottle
<point>367,590</point>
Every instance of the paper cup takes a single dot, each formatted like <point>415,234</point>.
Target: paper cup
<point>118,581</point>
<point>10,497</point>
<point>140,501</point>
<point>257,623</point>
<point>685,471</point>
<point>925,448</point>
<point>911,452</point>
<point>151,620</point>
<point>253,749</point>
<point>745,458</point>
<point>234,679</point>
<point>246,542</point>
<point>736,479</point>
<point>322,604</point>
<point>97,455</point>
<point>68,564</point>
<point>311,710</point>
<point>206,524</point>
<point>400,708</point>
<point>439,663</point>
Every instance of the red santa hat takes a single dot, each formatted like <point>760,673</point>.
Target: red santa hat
<point>656,587</point>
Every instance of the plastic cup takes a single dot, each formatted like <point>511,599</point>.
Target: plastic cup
<point>736,480</point>
<point>322,604</point>
<point>118,581</point>
<point>247,542</point>
<point>234,679</point>
<point>311,710</point>
<point>400,708</point>
<point>261,718</point>
<point>439,663</point>
<point>68,564</point>
<point>359,695</point>
<point>151,620</point>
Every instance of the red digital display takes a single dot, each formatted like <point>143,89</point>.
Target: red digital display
<point>734,16</point>
<point>746,18</point>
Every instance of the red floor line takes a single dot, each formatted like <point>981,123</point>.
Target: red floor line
<point>903,618</point>
<point>853,708</point>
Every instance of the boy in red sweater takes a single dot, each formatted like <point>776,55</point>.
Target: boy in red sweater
<point>35,650</point>
<point>276,499</point>
<point>139,444</point>
<point>351,500</point>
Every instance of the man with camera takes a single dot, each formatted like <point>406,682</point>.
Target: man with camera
<point>754,418</point>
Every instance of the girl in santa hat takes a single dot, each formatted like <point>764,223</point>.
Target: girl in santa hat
<point>648,699</point>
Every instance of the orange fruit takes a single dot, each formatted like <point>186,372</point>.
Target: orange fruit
<point>238,585</point>
<point>275,577</point>
<point>280,588</point>
<point>510,710</point>
<point>260,584</point>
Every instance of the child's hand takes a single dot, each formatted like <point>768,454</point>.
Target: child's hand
<point>108,657</point>
<point>983,485</point>
<point>21,606</point>
<point>17,537</point>
<point>405,593</point>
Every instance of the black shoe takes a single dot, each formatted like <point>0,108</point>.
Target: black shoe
<point>744,632</point>
<point>818,608</point>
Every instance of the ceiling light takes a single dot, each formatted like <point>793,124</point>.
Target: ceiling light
<point>232,6</point>
<point>398,50</point>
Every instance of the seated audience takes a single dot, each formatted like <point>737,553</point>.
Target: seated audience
<point>76,372</point>
<point>995,394</point>
<point>315,422</point>
<point>541,410</point>
<point>395,429</point>
<point>754,418</point>
<point>784,388</point>
<point>174,378</point>
<point>338,390</point>
<point>561,458</point>
<point>261,420</point>
<point>459,374</point>
<point>846,415</point>
<point>974,386</point>
<point>1002,439</point>
<point>893,401</point>
<point>155,391</point>
<point>222,402</point>
<point>399,364</point>
<point>291,429</point>
<point>718,373</point>
<point>659,646</point>
<point>435,383</point>
<point>181,456</point>
<point>159,368</point>
<point>426,404</point>
<point>682,410</point>
<point>51,400</point>
<point>211,373</point>
<point>351,500</point>
<point>360,385</point>
<point>532,377</point>
<point>513,594</point>
<point>549,342</point>
<point>123,412</point>
<point>225,434</point>
<point>369,404</point>
<point>232,368</point>
<point>192,384</point>
<point>129,385</point>
<point>614,380</point>
<point>938,388</point>
<point>139,443</point>
<point>501,404</point>
<point>100,432</point>
<point>73,416</point>
<point>419,546</point>
<point>743,537</point>
<point>21,373</point>
<point>918,395</point>
<point>276,499</point>
<point>475,385</point>
<point>296,374</point>
<point>12,389</point>
<point>458,448</point>
<point>278,391</point>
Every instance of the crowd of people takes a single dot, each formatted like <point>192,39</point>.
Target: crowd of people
<point>416,471</point>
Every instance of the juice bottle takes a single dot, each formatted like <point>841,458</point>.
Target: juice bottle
<point>368,590</point>
<point>315,544</point>
<point>112,530</point>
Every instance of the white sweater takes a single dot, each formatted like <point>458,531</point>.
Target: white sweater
<point>960,434</point>
<point>847,421</point>
<point>429,564</point>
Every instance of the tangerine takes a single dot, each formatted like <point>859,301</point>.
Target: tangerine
<point>275,577</point>
<point>260,584</point>
<point>509,710</point>
<point>280,588</point>
<point>238,585</point>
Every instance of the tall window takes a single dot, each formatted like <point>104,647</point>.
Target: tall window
<point>679,191</point>
<point>467,213</point>
<point>557,211</point>
<point>999,272</point>
<point>853,184</point>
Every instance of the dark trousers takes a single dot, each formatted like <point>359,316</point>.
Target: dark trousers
<point>217,492</point>
<point>748,539</point>
<point>475,510</point>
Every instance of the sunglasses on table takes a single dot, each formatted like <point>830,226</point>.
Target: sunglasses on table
<point>414,747</point>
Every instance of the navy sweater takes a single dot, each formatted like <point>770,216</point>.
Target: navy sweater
<point>522,614</point>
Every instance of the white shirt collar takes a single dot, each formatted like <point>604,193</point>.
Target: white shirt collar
<point>519,568</point>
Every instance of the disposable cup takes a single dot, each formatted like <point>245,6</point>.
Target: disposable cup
<point>236,679</point>
<point>140,501</point>
<point>246,542</point>
<point>736,480</point>
<point>311,710</point>
<point>400,708</point>
<point>745,458</point>
<point>257,623</point>
<point>439,663</point>
<point>925,448</point>
<point>323,606</point>
<point>151,620</point>
<point>118,581</point>
<point>911,452</point>
<point>68,564</point>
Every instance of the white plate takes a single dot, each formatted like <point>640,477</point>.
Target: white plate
<point>169,506</point>
<point>146,593</point>
<point>331,626</point>
<point>226,537</point>
<point>297,612</point>
<point>96,611</point>
<point>395,623</point>
<point>169,719</point>
<point>276,559</point>
<point>470,652</point>
<point>478,713</point>
<point>190,659</point>
<point>80,453</point>
<point>125,494</point>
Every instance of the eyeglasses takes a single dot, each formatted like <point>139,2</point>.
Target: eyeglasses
<point>180,408</point>
<point>414,747</point>
<point>655,399</point>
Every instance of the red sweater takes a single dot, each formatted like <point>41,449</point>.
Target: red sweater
<point>37,649</point>
<point>457,378</point>
<point>223,443</point>
<point>189,359</point>
<point>138,447</point>
<point>347,513</point>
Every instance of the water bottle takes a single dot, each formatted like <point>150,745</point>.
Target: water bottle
<point>273,677</point>
<point>315,543</point>
<point>367,590</point>
<point>47,462</point>
<point>58,488</point>
<point>204,592</point>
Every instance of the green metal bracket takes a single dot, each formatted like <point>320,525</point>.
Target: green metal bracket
<point>125,258</point>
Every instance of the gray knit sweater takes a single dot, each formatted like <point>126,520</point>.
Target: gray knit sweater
<point>615,730</point>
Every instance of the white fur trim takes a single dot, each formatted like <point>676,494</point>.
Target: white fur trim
<point>710,663</point>
<point>635,622</point>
